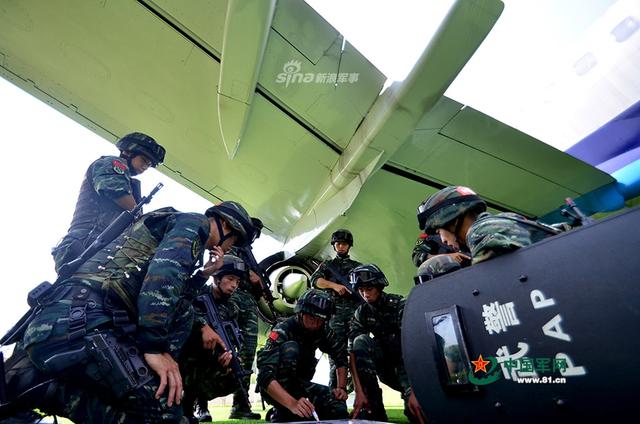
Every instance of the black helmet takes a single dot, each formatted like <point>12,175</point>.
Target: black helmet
<point>237,218</point>
<point>342,235</point>
<point>139,143</point>
<point>367,275</point>
<point>315,302</point>
<point>232,265</point>
<point>446,205</point>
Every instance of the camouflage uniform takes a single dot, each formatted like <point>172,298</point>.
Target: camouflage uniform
<point>245,301</point>
<point>380,355</point>
<point>106,179</point>
<point>495,235</point>
<point>134,289</point>
<point>289,358</point>
<point>426,246</point>
<point>203,377</point>
<point>345,305</point>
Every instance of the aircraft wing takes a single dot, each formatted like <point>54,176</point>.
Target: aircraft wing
<point>267,104</point>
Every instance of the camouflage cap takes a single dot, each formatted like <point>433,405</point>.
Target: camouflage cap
<point>446,205</point>
<point>315,302</point>
<point>495,235</point>
<point>434,267</point>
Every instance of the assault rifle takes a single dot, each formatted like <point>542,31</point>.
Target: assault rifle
<point>246,254</point>
<point>344,281</point>
<point>230,334</point>
<point>107,236</point>
<point>43,289</point>
<point>578,217</point>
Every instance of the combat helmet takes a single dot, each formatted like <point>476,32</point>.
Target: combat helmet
<point>237,218</point>
<point>139,143</point>
<point>446,205</point>
<point>315,302</point>
<point>434,267</point>
<point>342,235</point>
<point>232,265</point>
<point>367,275</point>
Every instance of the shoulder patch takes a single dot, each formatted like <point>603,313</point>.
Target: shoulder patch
<point>119,167</point>
<point>274,336</point>
<point>195,248</point>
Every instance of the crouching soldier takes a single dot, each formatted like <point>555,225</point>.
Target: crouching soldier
<point>287,363</point>
<point>109,336</point>
<point>205,359</point>
<point>379,356</point>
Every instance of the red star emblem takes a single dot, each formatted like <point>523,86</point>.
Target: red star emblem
<point>480,364</point>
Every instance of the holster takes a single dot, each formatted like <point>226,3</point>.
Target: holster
<point>120,365</point>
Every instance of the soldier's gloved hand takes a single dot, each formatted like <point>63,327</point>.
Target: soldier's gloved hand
<point>340,289</point>
<point>340,393</point>
<point>415,408</point>
<point>169,372</point>
<point>302,408</point>
<point>210,339</point>
<point>360,402</point>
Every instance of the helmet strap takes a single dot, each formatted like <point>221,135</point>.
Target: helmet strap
<point>221,234</point>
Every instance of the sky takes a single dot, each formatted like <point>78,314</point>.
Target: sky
<point>46,154</point>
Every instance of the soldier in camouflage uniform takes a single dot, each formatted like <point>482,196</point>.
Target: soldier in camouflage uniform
<point>245,299</point>
<point>495,235</point>
<point>458,215</point>
<point>287,363</point>
<point>428,246</point>
<point>379,356</point>
<point>434,267</point>
<point>106,191</point>
<point>204,363</point>
<point>346,302</point>
<point>134,293</point>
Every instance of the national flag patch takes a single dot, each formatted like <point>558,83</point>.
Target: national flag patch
<point>119,167</point>
<point>465,191</point>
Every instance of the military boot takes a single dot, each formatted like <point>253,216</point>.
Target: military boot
<point>242,411</point>
<point>202,412</point>
<point>376,411</point>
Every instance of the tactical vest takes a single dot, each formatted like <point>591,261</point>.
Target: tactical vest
<point>121,266</point>
<point>383,321</point>
<point>93,212</point>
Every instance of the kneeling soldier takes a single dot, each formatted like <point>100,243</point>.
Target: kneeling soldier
<point>109,336</point>
<point>287,363</point>
<point>204,361</point>
<point>380,355</point>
